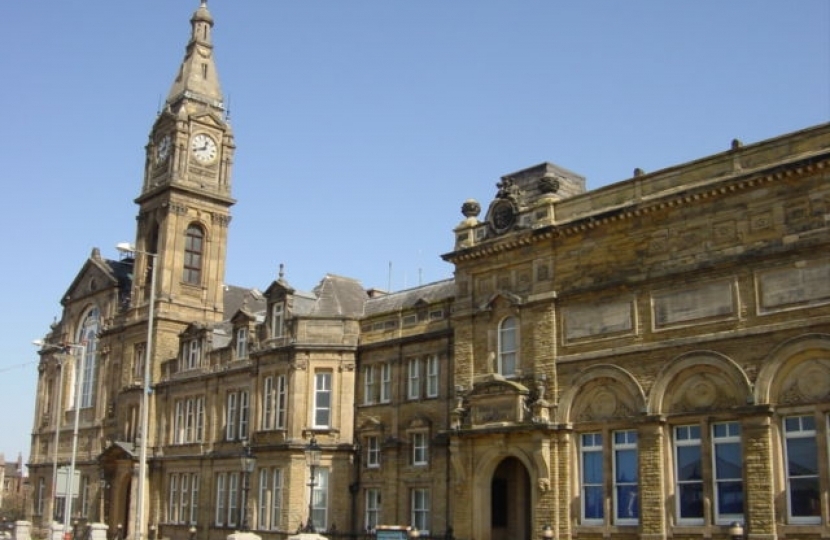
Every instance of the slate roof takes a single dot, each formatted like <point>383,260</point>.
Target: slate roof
<point>429,293</point>
<point>334,296</point>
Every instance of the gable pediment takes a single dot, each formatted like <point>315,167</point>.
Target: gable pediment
<point>95,275</point>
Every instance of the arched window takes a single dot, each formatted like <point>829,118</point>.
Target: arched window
<point>508,346</point>
<point>88,336</point>
<point>194,247</point>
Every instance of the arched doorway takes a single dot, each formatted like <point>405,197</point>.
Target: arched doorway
<point>510,501</point>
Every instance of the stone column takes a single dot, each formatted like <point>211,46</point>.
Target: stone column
<point>758,472</point>
<point>652,493</point>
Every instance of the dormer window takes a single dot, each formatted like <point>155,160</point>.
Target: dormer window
<point>278,320</point>
<point>241,343</point>
<point>191,354</point>
<point>508,347</point>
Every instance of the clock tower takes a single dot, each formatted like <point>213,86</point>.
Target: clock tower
<point>185,200</point>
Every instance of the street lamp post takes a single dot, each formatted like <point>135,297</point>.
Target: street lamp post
<point>312,457</point>
<point>79,385</point>
<point>126,247</point>
<point>248,463</point>
<point>58,424</point>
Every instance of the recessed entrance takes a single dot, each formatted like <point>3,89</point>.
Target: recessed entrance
<point>510,502</point>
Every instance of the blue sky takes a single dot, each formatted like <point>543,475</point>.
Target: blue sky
<point>363,125</point>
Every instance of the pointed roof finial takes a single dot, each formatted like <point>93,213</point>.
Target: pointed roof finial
<point>197,78</point>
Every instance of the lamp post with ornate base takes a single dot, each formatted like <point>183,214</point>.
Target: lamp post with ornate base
<point>312,457</point>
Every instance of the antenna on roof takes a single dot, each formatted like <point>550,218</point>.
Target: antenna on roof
<point>389,279</point>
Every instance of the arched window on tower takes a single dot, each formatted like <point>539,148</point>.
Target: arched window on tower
<point>193,251</point>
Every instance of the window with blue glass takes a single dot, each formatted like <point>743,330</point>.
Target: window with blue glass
<point>626,478</point>
<point>593,477</point>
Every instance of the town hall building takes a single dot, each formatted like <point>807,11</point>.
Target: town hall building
<point>650,359</point>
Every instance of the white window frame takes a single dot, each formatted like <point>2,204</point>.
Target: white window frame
<point>268,403</point>
<point>184,497</point>
<point>173,500</point>
<point>385,382</point>
<point>413,380</point>
<point>433,369</point>
<point>618,447</point>
<point>194,496</point>
<point>323,399</point>
<point>241,343</point>
<point>191,354</point>
<point>420,448</point>
<point>591,444</point>
<point>282,401</point>
<point>419,509</point>
<point>277,495</point>
<point>372,452</point>
<point>688,437</point>
<point>278,320</point>
<point>233,499</point>
<point>263,498</point>
<point>796,428</point>
<point>244,414</point>
<point>371,518</point>
<point>320,498</point>
<point>731,437</point>
<point>231,412</point>
<point>508,347</point>
<point>369,385</point>
<point>221,498</point>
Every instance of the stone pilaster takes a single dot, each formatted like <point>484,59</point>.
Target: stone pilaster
<point>652,496</point>
<point>758,472</point>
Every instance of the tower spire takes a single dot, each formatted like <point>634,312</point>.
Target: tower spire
<point>198,79</point>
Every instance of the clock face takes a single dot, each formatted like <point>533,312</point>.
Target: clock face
<point>163,149</point>
<point>203,148</point>
<point>503,216</point>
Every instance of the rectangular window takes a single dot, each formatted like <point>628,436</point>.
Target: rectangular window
<point>268,403</point>
<point>626,503</point>
<point>322,399</point>
<point>244,413</point>
<point>432,376</point>
<point>41,496</point>
<point>277,319</point>
<point>189,420</point>
<point>200,419</point>
<point>241,343</point>
<point>372,509</point>
<point>231,413</point>
<point>194,497</point>
<point>420,449</point>
<point>413,385</point>
<point>282,402</point>
<point>803,487</point>
<point>233,499</point>
<point>263,495</point>
<point>729,474</point>
<point>184,498</point>
<point>84,496</point>
<point>320,499</point>
<point>173,499</point>
<point>592,475</point>
<point>688,471</point>
<point>420,509</point>
<point>192,354</point>
<point>385,382</point>
<point>138,364</point>
<point>221,496</point>
<point>368,385</point>
<point>372,452</point>
<point>276,499</point>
